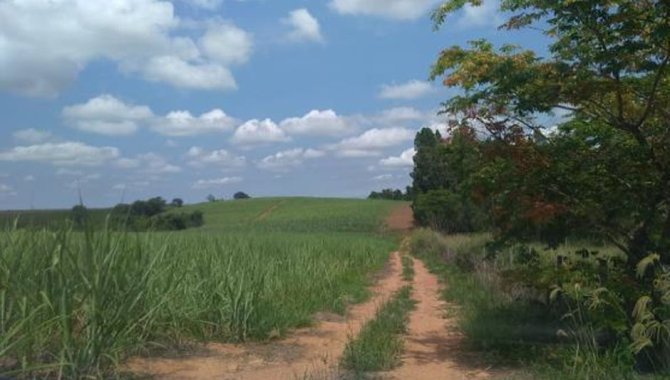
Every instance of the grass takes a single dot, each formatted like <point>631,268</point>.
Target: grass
<point>508,324</point>
<point>407,268</point>
<point>77,304</point>
<point>380,343</point>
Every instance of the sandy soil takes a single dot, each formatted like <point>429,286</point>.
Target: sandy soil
<point>306,351</point>
<point>401,218</point>
<point>433,348</point>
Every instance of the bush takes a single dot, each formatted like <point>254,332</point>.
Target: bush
<point>241,195</point>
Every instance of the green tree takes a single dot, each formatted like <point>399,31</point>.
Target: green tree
<point>241,195</point>
<point>608,66</point>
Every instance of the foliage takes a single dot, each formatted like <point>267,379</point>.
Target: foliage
<point>603,173</point>
<point>211,198</point>
<point>241,195</point>
<point>444,196</point>
<point>177,202</point>
<point>391,194</point>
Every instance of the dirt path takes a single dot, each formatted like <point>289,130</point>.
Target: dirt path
<point>306,351</point>
<point>266,213</point>
<point>433,348</point>
<point>401,218</point>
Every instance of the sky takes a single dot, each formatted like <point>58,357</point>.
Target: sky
<point>119,100</point>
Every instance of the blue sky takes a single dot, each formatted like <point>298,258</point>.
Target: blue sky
<point>126,99</point>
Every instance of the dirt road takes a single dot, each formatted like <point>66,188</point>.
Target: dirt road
<point>306,351</point>
<point>433,347</point>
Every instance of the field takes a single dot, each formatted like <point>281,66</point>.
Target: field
<point>75,304</point>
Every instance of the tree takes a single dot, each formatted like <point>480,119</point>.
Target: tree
<point>609,68</point>
<point>241,195</point>
<point>606,170</point>
<point>211,198</point>
<point>177,202</point>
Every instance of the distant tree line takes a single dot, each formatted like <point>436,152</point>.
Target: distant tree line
<point>143,215</point>
<point>392,194</point>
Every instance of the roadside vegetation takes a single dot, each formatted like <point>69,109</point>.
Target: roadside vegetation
<point>379,345</point>
<point>559,165</point>
<point>407,268</point>
<point>76,304</point>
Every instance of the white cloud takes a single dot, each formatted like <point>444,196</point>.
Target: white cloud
<point>182,123</point>
<point>259,132</point>
<point>29,178</point>
<point>227,44</point>
<point>315,122</point>
<point>304,27</point>
<point>372,141</point>
<point>406,159</point>
<point>32,136</point>
<point>62,154</point>
<point>209,183</point>
<point>45,44</point>
<point>287,159</point>
<point>106,115</point>
<point>406,91</point>
<point>181,73</point>
<point>480,16</point>
<point>393,9</point>
<point>222,158</point>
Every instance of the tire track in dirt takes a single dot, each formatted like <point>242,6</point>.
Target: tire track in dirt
<point>433,347</point>
<point>306,351</point>
<point>266,213</point>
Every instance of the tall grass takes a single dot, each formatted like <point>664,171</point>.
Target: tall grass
<point>515,325</point>
<point>76,304</point>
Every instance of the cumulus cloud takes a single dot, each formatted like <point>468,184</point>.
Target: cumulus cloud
<point>183,123</point>
<point>287,159</point>
<point>227,44</point>
<point>372,142</point>
<point>45,44</point>
<point>406,91</point>
<point>181,73</point>
<point>199,157</point>
<point>316,122</point>
<point>304,26</point>
<point>406,159</point>
<point>259,132</point>
<point>216,182</point>
<point>68,153</point>
<point>106,115</point>
<point>392,9</point>
<point>32,136</point>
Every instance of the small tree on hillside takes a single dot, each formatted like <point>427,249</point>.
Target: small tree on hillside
<point>177,202</point>
<point>211,198</point>
<point>241,195</point>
